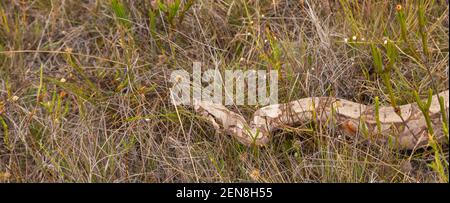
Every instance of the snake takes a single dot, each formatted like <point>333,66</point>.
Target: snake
<point>404,126</point>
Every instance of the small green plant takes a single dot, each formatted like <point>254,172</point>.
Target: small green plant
<point>170,8</point>
<point>439,165</point>
<point>404,30</point>
<point>444,116</point>
<point>425,108</point>
<point>4,20</point>
<point>273,56</point>
<point>386,72</point>
<point>121,13</point>
<point>152,15</point>
<point>74,64</point>
<point>350,15</point>
<point>186,7</point>
<point>422,28</point>
<point>5,132</point>
<point>172,12</point>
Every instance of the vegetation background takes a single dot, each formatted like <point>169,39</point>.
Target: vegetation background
<point>84,87</point>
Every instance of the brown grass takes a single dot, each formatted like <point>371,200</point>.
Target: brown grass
<point>84,87</point>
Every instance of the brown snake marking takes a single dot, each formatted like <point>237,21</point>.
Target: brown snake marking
<point>408,131</point>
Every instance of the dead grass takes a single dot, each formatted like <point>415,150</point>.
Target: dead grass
<point>84,87</point>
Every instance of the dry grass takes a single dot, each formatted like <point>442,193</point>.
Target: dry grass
<point>84,87</point>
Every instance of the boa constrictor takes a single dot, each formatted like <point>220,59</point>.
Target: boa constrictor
<point>407,129</point>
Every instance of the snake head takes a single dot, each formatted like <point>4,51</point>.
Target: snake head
<point>232,123</point>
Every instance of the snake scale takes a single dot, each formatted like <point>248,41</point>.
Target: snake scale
<point>405,126</point>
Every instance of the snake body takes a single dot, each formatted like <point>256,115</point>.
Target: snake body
<point>405,127</point>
